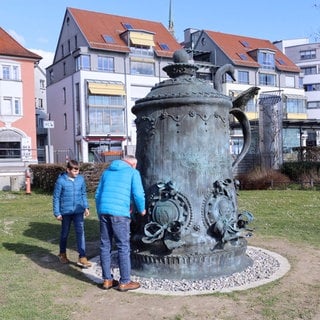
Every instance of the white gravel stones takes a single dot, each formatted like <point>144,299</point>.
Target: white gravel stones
<point>267,266</point>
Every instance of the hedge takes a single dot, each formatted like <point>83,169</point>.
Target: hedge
<point>44,176</point>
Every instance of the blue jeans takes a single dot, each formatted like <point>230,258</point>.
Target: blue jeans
<point>78,222</point>
<point>118,228</point>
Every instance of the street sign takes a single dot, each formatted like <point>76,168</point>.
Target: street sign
<point>48,124</point>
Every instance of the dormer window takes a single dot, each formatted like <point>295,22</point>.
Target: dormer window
<point>138,38</point>
<point>266,59</point>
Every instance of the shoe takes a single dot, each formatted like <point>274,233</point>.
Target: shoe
<point>108,284</point>
<point>63,258</point>
<point>84,263</point>
<point>128,286</point>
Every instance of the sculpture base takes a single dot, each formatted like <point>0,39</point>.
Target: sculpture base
<point>194,264</point>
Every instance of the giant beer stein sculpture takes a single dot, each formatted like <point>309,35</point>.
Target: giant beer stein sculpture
<point>193,229</point>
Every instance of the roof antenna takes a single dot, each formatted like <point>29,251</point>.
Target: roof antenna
<point>170,27</point>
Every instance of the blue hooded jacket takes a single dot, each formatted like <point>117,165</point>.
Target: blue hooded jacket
<point>118,186</point>
<point>69,196</point>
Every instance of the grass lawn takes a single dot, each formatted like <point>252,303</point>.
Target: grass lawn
<point>34,284</point>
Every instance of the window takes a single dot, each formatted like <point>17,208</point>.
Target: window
<point>243,77</point>
<point>313,105</point>
<point>102,100</point>
<point>312,87</point>
<point>10,149</point>
<point>10,72</point>
<point>64,95</point>
<point>127,25</point>
<point>83,62</point>
<point>236,145</point>
<point>108,38</point>
<point>106,114</point>
<point>245,43</point>
<point>15,73</point>
<point>106,120</point>
<point>51,76</point>
<point>164,46</point>
<point>308,54</point>
<point>309,70</point>
<point>42,84</point>
<point>296,105</point>
<point>266,60</point>
<point>77,96</point>
<point>251,107</point>
<point>65,121</point>
<point>17,109</point>
<point>6,72</point>
<point>40,103</point>
<point>139,67</point>
<point>243,56</point>
<point>267,79</point>
<point>280,61</point>
<point>289,81</point>
<point>106,64</point>
<point>10,106</point>
<point>300,82</point>
<point>141,52</point>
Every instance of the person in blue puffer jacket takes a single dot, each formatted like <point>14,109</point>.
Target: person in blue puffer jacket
<point>119,186</point>
<point>70,203</point>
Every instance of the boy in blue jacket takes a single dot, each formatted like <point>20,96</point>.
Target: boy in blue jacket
<point>118,185</point>
<point>70,203</point>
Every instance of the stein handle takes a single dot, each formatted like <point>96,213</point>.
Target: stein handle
<point>245,126</point>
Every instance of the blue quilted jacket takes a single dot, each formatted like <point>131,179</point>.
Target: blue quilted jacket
<point>119,185</point>
<point>69,196</point>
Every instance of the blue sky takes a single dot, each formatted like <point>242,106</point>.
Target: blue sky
<point>36,23</point>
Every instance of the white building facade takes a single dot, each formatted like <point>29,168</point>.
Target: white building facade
<point>306,55</point>
<point>102,65</point>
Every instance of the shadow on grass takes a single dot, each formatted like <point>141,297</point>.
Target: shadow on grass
<point>45,259</point>
<point>50,233</point>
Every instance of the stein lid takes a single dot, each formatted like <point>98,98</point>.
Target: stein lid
<point>182,87</point>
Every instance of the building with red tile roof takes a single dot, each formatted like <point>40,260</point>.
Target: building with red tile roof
<point>256,63</point>
<point>102,64</point>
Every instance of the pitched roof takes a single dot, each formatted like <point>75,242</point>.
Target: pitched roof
<point>10,47</point>
<point>96,25</point>
<point>238,49</point>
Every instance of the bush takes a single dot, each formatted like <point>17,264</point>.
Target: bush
<point>44,176</point>
<point>260,179</point>
<point>302,171</point>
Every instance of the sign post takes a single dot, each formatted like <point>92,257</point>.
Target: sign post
<point>49,125</point>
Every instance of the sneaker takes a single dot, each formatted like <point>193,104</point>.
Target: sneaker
<point>128,286</point>
<point>84,263</point>
<point>108,284</point>
<point>63,258</point>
